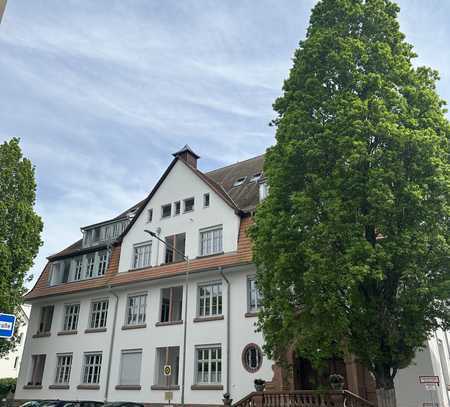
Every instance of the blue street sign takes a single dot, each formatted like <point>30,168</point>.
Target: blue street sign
<point>7,322</point>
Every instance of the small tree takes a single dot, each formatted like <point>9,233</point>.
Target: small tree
<point>352,243</point>
<point>20,228</point>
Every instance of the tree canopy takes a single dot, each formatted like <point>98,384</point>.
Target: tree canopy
<point>20,228</point>
<point>352,243</point>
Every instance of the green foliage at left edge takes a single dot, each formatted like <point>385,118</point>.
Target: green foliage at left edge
<point>20,229</point>
<point>7,384</point>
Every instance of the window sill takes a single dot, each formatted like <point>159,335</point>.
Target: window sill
<point>160,387</point>
<point>205,256</point>
<point>206,319</point>
<point>88,387</point>
<point>59,386</point>
<point>128,387</point>
<point>137,326</point>
<point>32,387</point>
<point>93,330</point>
<point>251,314</point>
<point>62,333</point>
<point>169,323</point>
<point>41,335</point>
<point>206,387</point>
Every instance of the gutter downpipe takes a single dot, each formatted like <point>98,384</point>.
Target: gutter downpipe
<point>111,343</point>
<point>183,377</point>
<point>228,329</point>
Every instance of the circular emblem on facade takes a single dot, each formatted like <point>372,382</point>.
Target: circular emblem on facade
<point>252,357</point>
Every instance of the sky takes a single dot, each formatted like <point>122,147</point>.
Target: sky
<point>102,92</point>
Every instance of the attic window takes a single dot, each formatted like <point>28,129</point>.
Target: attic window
<point>255,177</point>
<point>239,181</point>
<point>166,211</point>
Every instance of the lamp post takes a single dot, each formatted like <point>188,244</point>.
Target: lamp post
<point>186,258</point>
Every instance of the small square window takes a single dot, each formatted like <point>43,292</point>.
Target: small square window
<point>177,206</point>
<point>189,204</point>
<point>205,200</point>
<point>166,211</point>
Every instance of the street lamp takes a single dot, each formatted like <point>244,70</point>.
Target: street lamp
<point>186,258</point>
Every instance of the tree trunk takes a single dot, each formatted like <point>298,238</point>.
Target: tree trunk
<point>386,397</point>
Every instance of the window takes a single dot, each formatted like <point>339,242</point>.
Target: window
<point>63,367</point>
<point>189,204</point>
<point>205,200</point>
<point>91,368</point>
<point>210,300</point>
<point>102,263</point>
<point>175,246</point>
<point>253,295</point>
<point>252,358</point>
<point>142,255</point>
<point>166,211</point>
<point>37,370</point>
<point>16,362</point>
<point>177,208</point>
<point>71,313</point>
<point>56,274</point>
<point>171,304</point>
<point>90,260</point>
<point>78,268</point>
<point>130,367</point>
<point>263,191</point>
<point>66,271</point>
<point>99,313</point>
<point>209,365</point>
<point>256,177</point>
<point>239,181</point>
<point>211,241</point>
<point>45,323</point>
<point>136,309</point>
<point>149,215</point>
<point>167,356</point>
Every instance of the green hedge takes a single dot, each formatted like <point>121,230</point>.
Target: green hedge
<point>7,384</point>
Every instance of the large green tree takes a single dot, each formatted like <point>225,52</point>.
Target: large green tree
<point>352,243</point>
<point>20,229</point>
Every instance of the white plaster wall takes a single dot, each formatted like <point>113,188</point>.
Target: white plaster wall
<point>181,183</point>
<point>7,368</point>
<point>148,339</point>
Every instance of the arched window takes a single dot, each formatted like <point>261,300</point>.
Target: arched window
<point>252,358</point>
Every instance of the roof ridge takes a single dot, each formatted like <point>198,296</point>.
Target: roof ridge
<point>236,163</point>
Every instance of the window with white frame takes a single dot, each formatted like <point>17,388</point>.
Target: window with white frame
<point>99,313</point>
<point>102,262</point>
<point>130,367</point>
<point>177,207</point>
<point>166,211</point>
<point>63,368</point>
<point>171,304</point>
<point>189,204</point>
<point>37,370</point>
<point>90,261</point>
<point>142,255</point>
<point>136,309</point>
<point>71,314</point>
<point>78,268</point>
<point>211,241</point>
<point>206,200</point>
<point>46,318</point>
<point>209,364</point>
<point>263,191</point>
<point>167,356</point>
<point>253,295</point>
<point>210,299</point>
<point>92,365</point>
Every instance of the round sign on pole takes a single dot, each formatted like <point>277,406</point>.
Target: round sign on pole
<point>167,370</point>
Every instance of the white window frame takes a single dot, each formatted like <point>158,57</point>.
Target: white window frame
<point>78,268</point>
<point>215,292</point>
<point>211,230</point>
<point>172,380</point>
<point>162,211</point>
<point>127,352</point>
<point>63,368</point>
<point>175,204</point>
<point>136,248</point>
<point>88,365</point>
<point>90,266</point>
<point>102,263</point>
<point>251,292</point>
<point>92,323</point>
<point>209,361</point>
<point>42,358</point>
<point>184,205</point>
<point>71,318</point>
<point>141,309</point>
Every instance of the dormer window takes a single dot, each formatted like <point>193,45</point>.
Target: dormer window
<point>256,177</point>
<point>263,191</point>
<point>166,211</point>
<point>239,181</point>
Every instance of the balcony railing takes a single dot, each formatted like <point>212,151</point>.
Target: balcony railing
<point>303,398</point>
